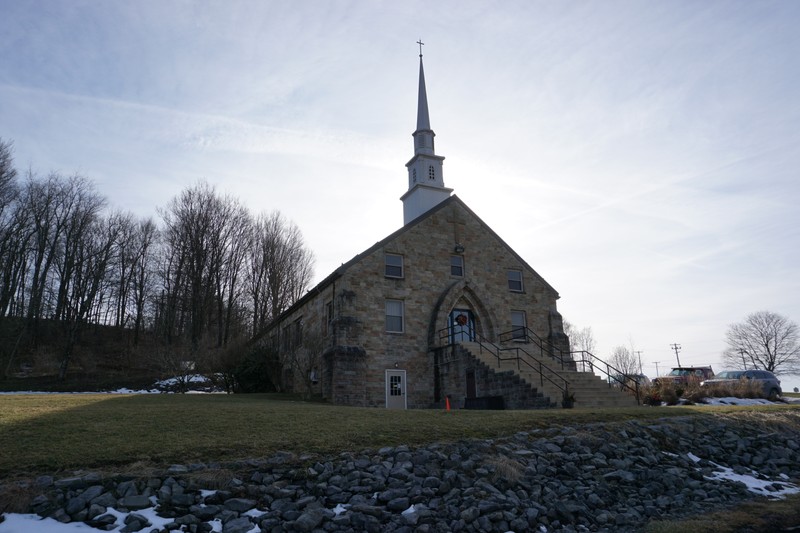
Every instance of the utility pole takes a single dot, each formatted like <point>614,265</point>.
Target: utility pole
<point>677,348</point>
<point>656,362</point>
<point>639,353</point>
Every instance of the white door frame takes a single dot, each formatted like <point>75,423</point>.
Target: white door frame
<point>404,385</point>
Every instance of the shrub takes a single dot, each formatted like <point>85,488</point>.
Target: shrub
<point>650,395</point>
<point>694,393</point>
<point>739,389</point>
<point>258,370</point>
<point>669,392</point>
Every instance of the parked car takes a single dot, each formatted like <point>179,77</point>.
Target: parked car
<point>770,384</point>
<point>630,380</point>
<point>686,374</point>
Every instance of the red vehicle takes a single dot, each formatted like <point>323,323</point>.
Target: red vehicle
<point>686,374</point>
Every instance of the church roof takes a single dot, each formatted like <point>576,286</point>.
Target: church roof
<point>339,272</point>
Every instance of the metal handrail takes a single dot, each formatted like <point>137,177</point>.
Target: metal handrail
<point>528,336</point>
<point>525,334</point>
<point>495,350</point>
<point>594,362</point>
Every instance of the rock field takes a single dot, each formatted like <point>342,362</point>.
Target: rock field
<point>600,477</point>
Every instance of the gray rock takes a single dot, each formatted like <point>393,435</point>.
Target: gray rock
<point>177,469</point>
<point>568,479</point>
<point>237,525</point>
<point>308,521</point>
<point>44,481</point>
<point>70,483</point>
<point>134,503</point>
<point>398,505</point>
<point>240,505</point>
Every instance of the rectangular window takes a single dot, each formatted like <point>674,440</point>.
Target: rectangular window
<point>297,341</point>
<point>394,266</point>
<point>518,325</point>
<point>457,266</point>
<point>515,280</point>
<point>286,339</point>
<point>329,318</point>
<point>394,316</point>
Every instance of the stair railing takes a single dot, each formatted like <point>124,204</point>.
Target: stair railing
<point>612,375</point>
<point>526,335</point>
<point>446,339</point>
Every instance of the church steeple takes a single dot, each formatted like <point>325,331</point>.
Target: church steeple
<point>425,182</point>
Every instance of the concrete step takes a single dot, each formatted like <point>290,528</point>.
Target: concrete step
<point>589,389</point>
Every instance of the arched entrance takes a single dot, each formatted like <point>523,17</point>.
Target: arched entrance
<point>460,300</point>
<point>461,323</point>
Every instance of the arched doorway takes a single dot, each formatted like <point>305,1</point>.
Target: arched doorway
<point>461,323</point>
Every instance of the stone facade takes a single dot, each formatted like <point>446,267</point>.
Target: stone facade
<point>348,311</point>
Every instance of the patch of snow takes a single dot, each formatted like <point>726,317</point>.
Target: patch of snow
<point>780,489</point>
<point>17,523</point>
<point>339,509</point>
<point>189,378</point>
<point>731,400</point>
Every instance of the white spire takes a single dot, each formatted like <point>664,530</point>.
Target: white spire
<point>425,182</point>
<point>423,120</point>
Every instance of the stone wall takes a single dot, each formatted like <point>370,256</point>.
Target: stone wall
<point>453,365</point>
<point>429,292</point>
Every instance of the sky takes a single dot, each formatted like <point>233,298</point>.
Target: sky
<point>643,157</point>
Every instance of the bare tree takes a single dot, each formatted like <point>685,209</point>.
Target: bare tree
<point>8,176</point>
<point>207,240</point>
<point>580,340</point>
<point>765,341</point>
<point>144,243</point>
<point>81,206</point>
<point>189,228</point>
<point>280,268</point>
<point>94,252</point>
<point>229,248</point>
<point>624,361</point>
<point>13,231</point>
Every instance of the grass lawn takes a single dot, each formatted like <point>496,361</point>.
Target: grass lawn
<point>50,433</point>
<point>58,434</point>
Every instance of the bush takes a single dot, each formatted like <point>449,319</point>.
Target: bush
<point>740,389</point>
<point>650,395</point>
<point>671,393</point>
<point>258,370</point>
<point>694,393</point>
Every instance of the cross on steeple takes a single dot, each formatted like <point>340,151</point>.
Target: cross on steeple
<point>420,43</point>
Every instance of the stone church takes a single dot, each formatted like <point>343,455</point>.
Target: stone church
<point>440,312</point>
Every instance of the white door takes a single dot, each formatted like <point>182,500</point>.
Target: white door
<point>396,389</point>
